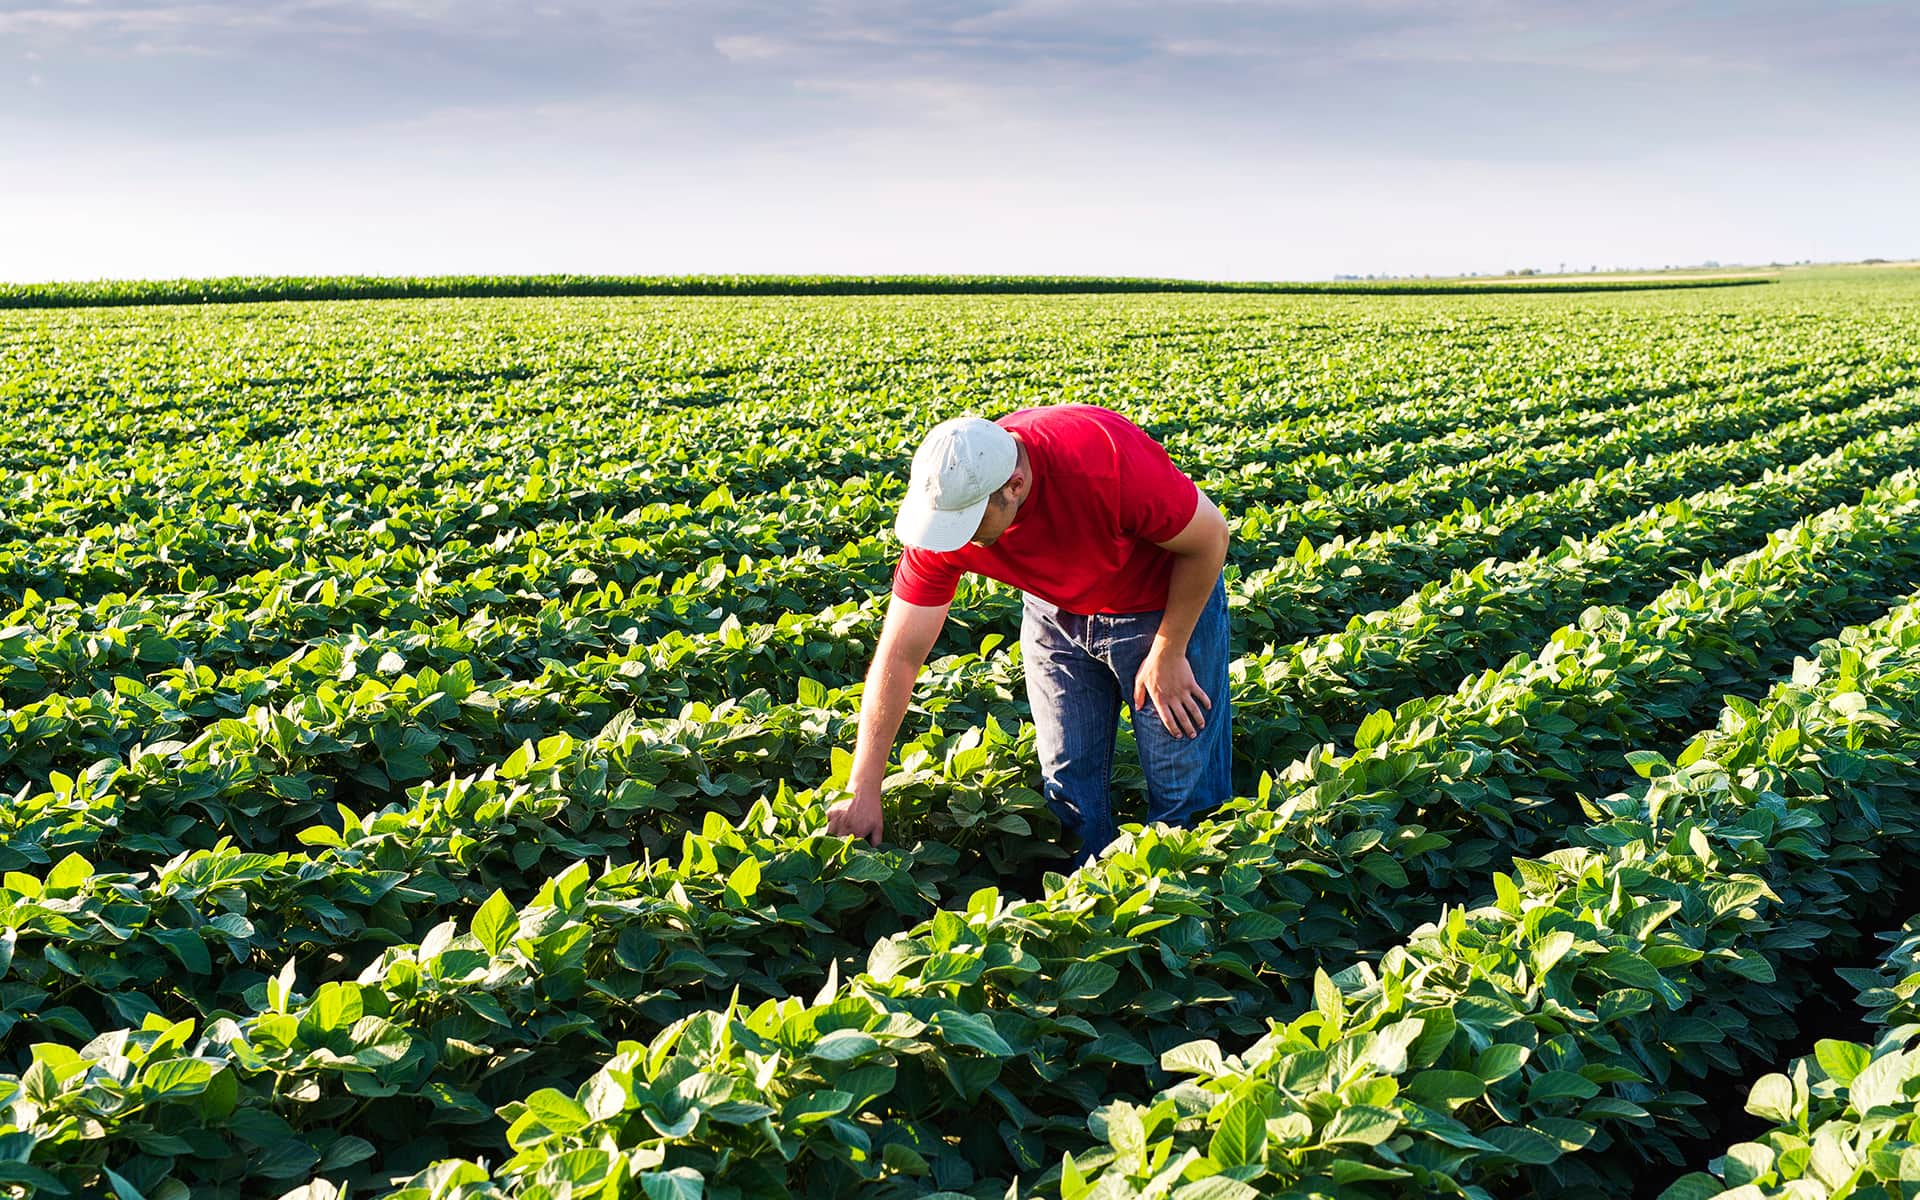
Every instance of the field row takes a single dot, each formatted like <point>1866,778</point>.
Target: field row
<point>592,955</point>
<point>419,719</point>
<point>318,723</point>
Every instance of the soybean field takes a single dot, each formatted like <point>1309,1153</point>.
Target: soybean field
<point>419,717</point>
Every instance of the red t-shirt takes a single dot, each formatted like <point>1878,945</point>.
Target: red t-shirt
<point>1103,493</point>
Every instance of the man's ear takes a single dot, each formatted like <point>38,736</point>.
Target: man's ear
<point>1015,489</point>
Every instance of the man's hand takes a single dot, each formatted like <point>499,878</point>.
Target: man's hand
<point>859,815</point>
<point>1168,679</point>
<point>905,639</point>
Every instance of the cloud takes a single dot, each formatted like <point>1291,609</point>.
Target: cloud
<point>424,53</point>
<point>944,100</point>
<point>1222,105</point>
<point>748,47</point>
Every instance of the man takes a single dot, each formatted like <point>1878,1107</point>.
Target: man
<point>1119,556</point>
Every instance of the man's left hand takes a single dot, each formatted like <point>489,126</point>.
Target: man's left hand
<point>1167,678</point>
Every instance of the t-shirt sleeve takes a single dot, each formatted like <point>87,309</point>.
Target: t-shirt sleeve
<point>1156,498</point>
<point>925,578</point>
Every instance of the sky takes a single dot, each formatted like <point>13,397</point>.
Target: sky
<point>1227,139</point>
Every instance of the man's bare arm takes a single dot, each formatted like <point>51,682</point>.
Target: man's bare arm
<point>1200,551</point>
<point>905,641</point>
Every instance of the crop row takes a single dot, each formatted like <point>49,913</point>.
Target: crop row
<point>1151,929</point>
<point>87,518</point>
<point>664,773</point>
<point>380,541</point>
<point>605,408</point>
<point>667,771</point>
<point>1345,576</point>
<point>258,584</point>
<point>1841,1121</point>
<point>248,289</point>
<point>1557,1016</point>
<point>379,731</point>
<point>1495,1043</point>
<point>1154,989</point>
<point>1580,994</point>
<point>1292,698</point>
<point>189,382</point>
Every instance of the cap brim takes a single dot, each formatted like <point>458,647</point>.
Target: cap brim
<point>925,527</point>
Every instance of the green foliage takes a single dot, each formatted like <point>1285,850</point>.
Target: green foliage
<point>245,289</point>
<point>419,721</point>
<point>1507,1036</point>
<point>1843,1119</point>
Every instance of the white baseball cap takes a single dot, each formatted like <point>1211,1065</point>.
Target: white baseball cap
<point>959,466</point>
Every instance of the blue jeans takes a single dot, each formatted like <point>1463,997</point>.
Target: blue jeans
<point>1080,670</point>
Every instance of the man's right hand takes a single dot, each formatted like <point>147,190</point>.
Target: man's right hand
<point>859,815</point>
<point>907,635</point>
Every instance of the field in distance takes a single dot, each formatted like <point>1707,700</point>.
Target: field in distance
<point>420,715</point>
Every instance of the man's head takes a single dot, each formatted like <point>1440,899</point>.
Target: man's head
<point>969,479</point>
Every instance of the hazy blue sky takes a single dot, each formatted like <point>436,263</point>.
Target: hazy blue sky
<point>1231,138</point>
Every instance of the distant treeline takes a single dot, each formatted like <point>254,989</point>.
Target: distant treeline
<point>246,288</point>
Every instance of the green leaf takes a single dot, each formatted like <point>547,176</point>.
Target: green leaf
<point>337,1006</point>
<point>34,1177</point>
<point>1445,1089</point>
<point>1125,1131</point>
<point>1373,730</point>
<point>1240,1136</point>
<point>496,923</point>
<point>187,946</point>
<point>1548,951</point>
<point>558,1111</point>
<point>1506,894</point>
<point>1327,998</point>
<point>1498,1061</point>
<point>844,1045</point>
<point>1361,1123</point>
<point>1748,1162</point>
<point>1349,1171</point>
<point>1118,1047</point>
<point>1842,1061</point>
<point>1772,1099</point>
<point>177,1077</point>
<point>1882,1083</point>
<point>744,882</point>
<point>971,1029</point>
<point>1073,1184</point>
<point>585,1169</point>
<point>1437,1029</point>
<point>866,1081</point>
<point>1217,1187</point>
<point>69,874</point>
<point>1646,763</point>
<point>1626,967</point>
<point>1087,980</point>
<point>120,1189</point>
<point>681,1183</point>
<point>283,1158</point>
<point>1523,1145</point>
<point>1194,1058</point>
<point>345,1152</point>
<point>1569,1135</point>
<point>1385,868</point>
<point>813,1106</point>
